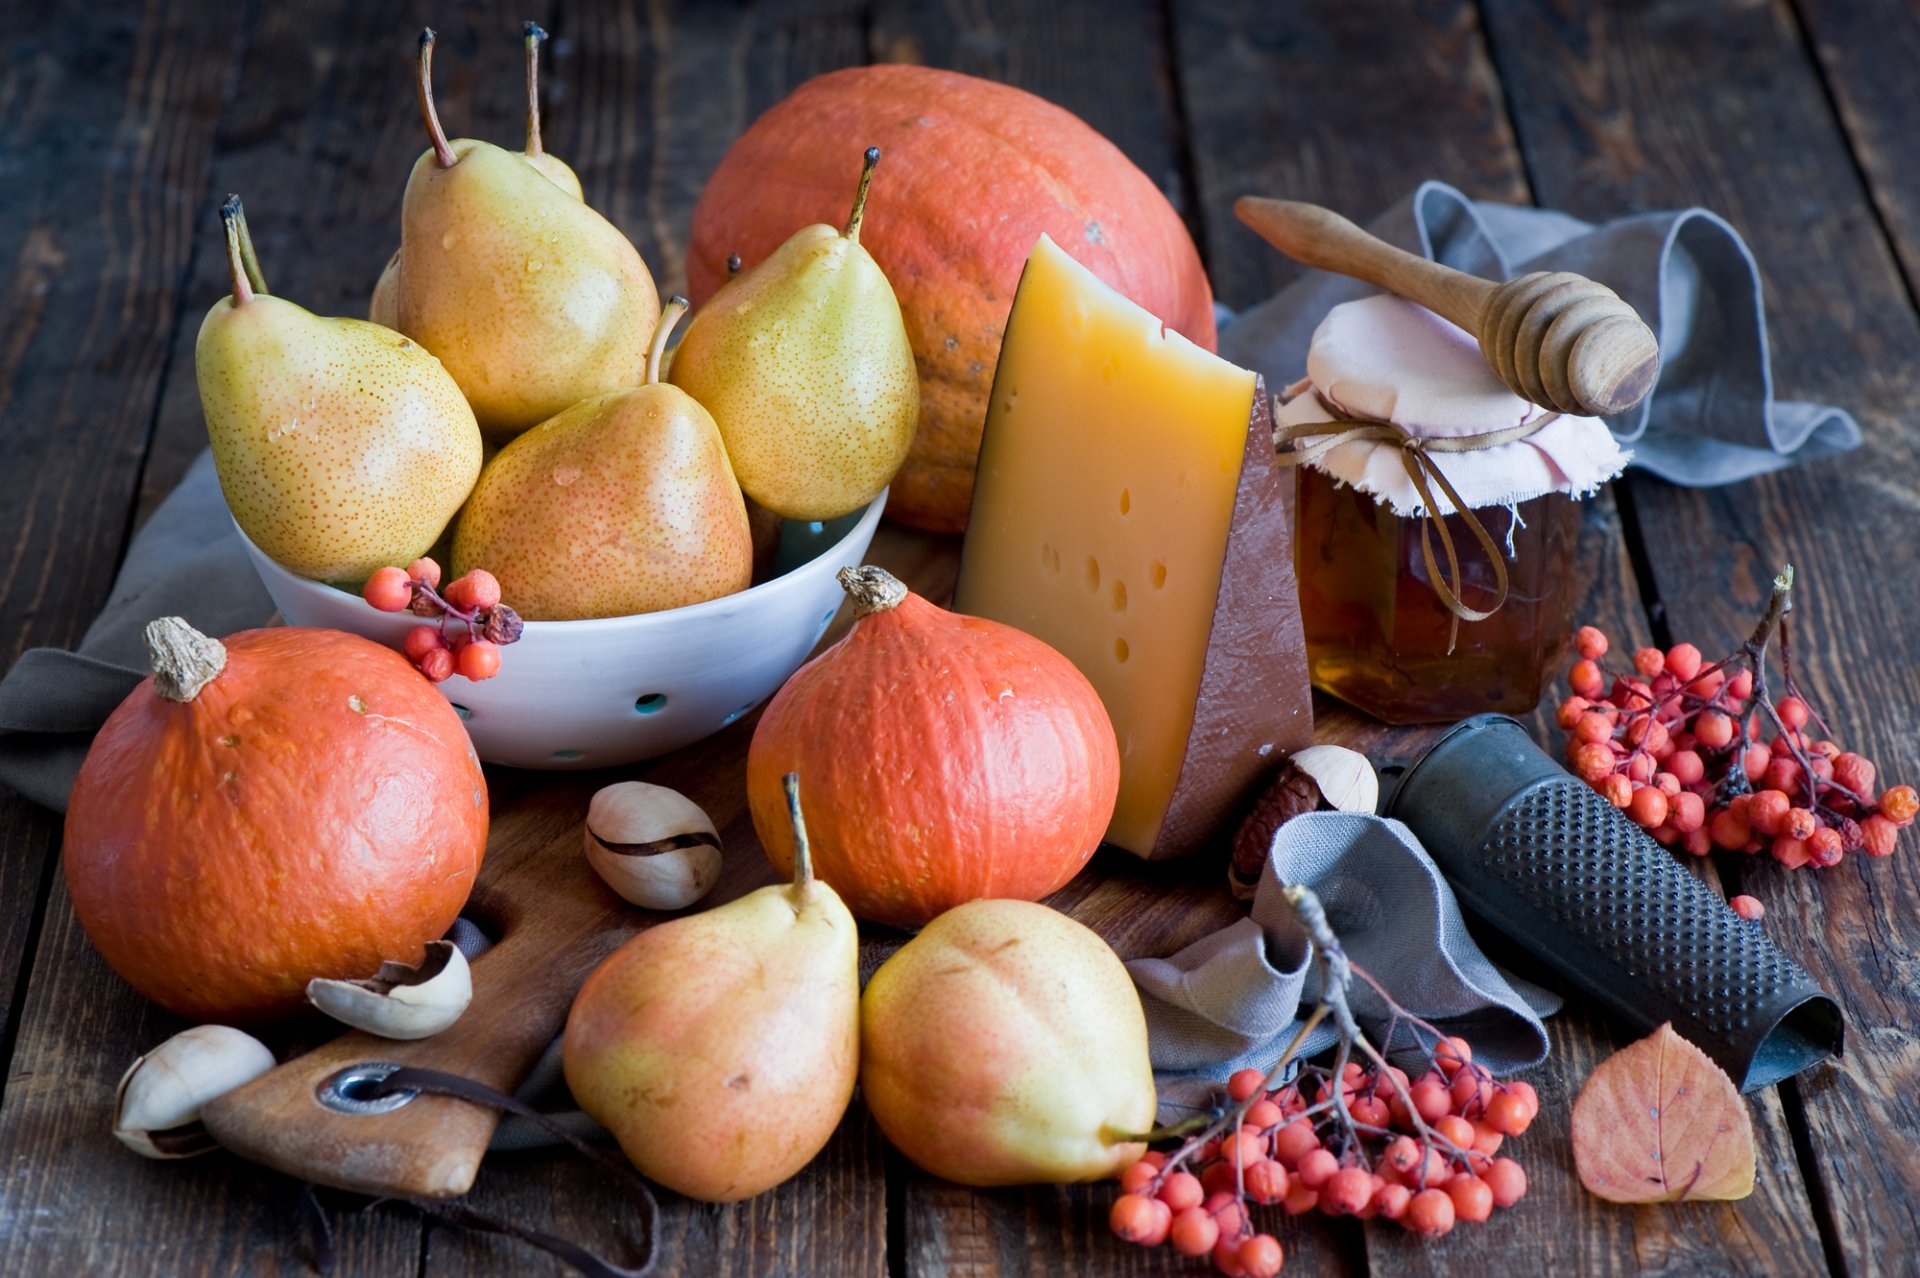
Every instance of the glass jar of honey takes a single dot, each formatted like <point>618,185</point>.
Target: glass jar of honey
<point>1436,518</point>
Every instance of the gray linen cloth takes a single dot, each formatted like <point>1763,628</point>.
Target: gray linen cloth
<point>1711,419</point>
<point>1234,999</point>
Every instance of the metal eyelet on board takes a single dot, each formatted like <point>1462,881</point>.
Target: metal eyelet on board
<point>353,1090</point>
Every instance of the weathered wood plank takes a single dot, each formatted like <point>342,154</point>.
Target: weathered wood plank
<point>1624,108</point>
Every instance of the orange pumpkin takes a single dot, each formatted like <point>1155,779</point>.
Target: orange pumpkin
<point>943,758</point>
<point>973,172</point>
<point>310,808</point>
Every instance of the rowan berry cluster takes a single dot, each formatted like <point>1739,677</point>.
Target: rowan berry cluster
<point>1702,756</point>
<point>472,600</point>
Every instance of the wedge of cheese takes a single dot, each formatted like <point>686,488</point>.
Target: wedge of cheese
<point>1128,511</point>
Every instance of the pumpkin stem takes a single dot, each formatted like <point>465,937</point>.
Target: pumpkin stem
<point>184,660</point>
<point>871,589</point>
<point>669,316</point>
<point>868,162</point>
<point>802,850</point>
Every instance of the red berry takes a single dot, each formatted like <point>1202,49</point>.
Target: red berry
<point>1218,1175</point>
<point>1139,1219</point>
<point>1429,1213</point>
<point>1456,1129</point>
<point>1245,1082</point>
<point>1294,1141</point>
<point>1181,1191</point>
<point>1697,842</point>
<point>437,665</point>
<point>1825,847</point>
<point>1746,907</point>
<point>1391,1201</point>
<point>1801,823</point>
<point>1264,1115</point>
<point>1740,686</point>
<point>1755,761</point>
<point>1243,1148</point>
<point>1713,730</point>
<point>478,590</point>
<point>388,590</point>
<point>479,659</point>
<point>1316,1169</point>
<point>1226,1208</point>
<point>424,570</point>
<point>1472,1197</point>
<point>1878,835</point>
<point>1683,661</point>
<point>1193,1232</point>
<point>1261,1256</point>
<point>1267,1181</point>
<point>1728,831</point>
<point>1590,642</point>
<point>1570,711</point>
<point>1401,1155</point>
<point>1783,774</point>
<point>1854,772</point>
<point>1687,811</point>
<point>1649,661</point>
<point>1649,807</point>
<point>1900,805</point>
<point>1156,1157</point>
<point>1432,1099</point>
<point>1767,813</point>
<point>1369,1110</point>
<point>1299,1200</point>
<point>1616,789</point>
<point>1451,1054</point>
<point>1137,1176</point>
<point>1346,1192</point>
<point>1792,711</point>
<point>1708,686</point>
<point>1586,680</point>
<point>1687,766</point>
<point>1469,1092</point>
<point>1508,1181</point>
<point>1593,728</point>
<point>1486,1137</point>
<point>420,641</point>
<point>1791,852</point>
<point>1507,1112</point>
<point>1226,1257</point>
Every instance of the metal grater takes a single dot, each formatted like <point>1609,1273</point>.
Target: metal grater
<point>1539,855</point>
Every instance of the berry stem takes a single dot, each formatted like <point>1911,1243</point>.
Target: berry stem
<point>442,153</point>
<point>871,161</point>
<point>535,36</point>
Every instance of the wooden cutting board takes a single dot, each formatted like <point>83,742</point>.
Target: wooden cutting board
<point>553,920</point>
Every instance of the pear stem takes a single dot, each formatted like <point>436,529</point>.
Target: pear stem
<point>230,217</point>
<point>802,850</point>
<point>535,37</point>
<point>669,316</point>
<point>860,197</point>
<point>248,258</point>
<point>442,153</point>
<point>733,265</point>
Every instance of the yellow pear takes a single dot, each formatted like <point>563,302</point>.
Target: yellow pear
<point>341,445</point>
<point>623,503</point>
<point>384,307</point>
<point>531,299</point>
<point>720,1049</point>
<point>803,360</point>
<point>1005,1045</point>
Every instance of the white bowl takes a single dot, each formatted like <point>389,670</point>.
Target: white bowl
<point>588,694</point>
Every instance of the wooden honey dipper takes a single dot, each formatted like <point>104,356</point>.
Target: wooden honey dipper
<point>1558,339</point>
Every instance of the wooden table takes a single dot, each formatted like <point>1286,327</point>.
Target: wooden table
<point>123,123</point>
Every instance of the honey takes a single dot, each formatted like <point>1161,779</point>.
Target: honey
<point>1377,632</point>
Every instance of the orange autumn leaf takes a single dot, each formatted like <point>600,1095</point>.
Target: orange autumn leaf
<point>1659,1122</point>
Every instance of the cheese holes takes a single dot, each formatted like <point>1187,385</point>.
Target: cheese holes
<point>1049,558</point>
<point>1093,573</point>
<point>1121,651</point>
<point>1126,502</point>
<point>1119,596</point>
<point>1157,574</point>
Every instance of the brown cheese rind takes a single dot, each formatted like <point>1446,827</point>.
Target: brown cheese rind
<point>1255,704</point>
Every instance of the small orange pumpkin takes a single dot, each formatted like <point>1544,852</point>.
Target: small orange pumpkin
<point>948,758</point>
<point>288,804</point>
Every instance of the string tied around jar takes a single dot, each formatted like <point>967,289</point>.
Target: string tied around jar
<point>1424,473</point>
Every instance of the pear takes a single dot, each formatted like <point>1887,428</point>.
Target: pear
<point>341,445</point>
<point>384,307</point>
<point>623,503</point>
<point>720,1049</point>
<point>1005,1045</point>
<point>531,299</point>
<point>804,362</point>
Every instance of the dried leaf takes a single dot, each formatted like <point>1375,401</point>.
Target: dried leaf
<point>1659,1122</point>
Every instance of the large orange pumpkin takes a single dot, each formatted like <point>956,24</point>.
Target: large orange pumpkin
<point>311,809</point>
<point>972,173</point>
<point>942,759</point>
